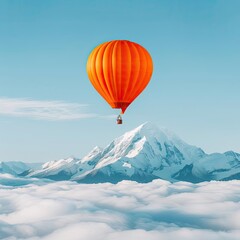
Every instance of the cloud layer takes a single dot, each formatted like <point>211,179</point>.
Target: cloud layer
<point>47,110</point>
<point>128,210</point>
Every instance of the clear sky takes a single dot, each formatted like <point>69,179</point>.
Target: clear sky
<point>49,109</point>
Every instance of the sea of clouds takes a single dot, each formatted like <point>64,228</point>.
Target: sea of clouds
<point>37,209</point>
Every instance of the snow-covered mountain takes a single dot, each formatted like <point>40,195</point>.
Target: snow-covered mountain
<point>143,154</point>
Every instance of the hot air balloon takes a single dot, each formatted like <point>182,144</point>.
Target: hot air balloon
<point>119,70</point>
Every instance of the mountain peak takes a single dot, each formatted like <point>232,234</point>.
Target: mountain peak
<point>93,153</point>
<point>146,129</point>
<point>151,131</point>
<point>147,126</point>
<point>59,162</point>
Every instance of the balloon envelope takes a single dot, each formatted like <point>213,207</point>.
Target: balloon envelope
<point>119,70</point>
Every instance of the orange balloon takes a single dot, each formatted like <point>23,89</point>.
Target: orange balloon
<point>119,70</point>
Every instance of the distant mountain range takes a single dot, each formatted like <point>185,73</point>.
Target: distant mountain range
<point>141,155</point>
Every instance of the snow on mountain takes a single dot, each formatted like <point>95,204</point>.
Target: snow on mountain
<point>93,155</point>
<point>143,154</point>
<point>61,169</point>
<point>65,169</point>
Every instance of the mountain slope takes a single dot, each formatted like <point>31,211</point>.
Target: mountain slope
<point>62,169</point>
<point>16,167</point>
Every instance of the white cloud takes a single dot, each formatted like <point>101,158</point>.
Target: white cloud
<point>127,210</point>
<point>48,110</point>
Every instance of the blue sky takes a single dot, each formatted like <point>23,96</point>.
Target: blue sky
<point>49,109</point>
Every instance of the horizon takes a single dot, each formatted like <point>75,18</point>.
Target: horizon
<point>48,107</point>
